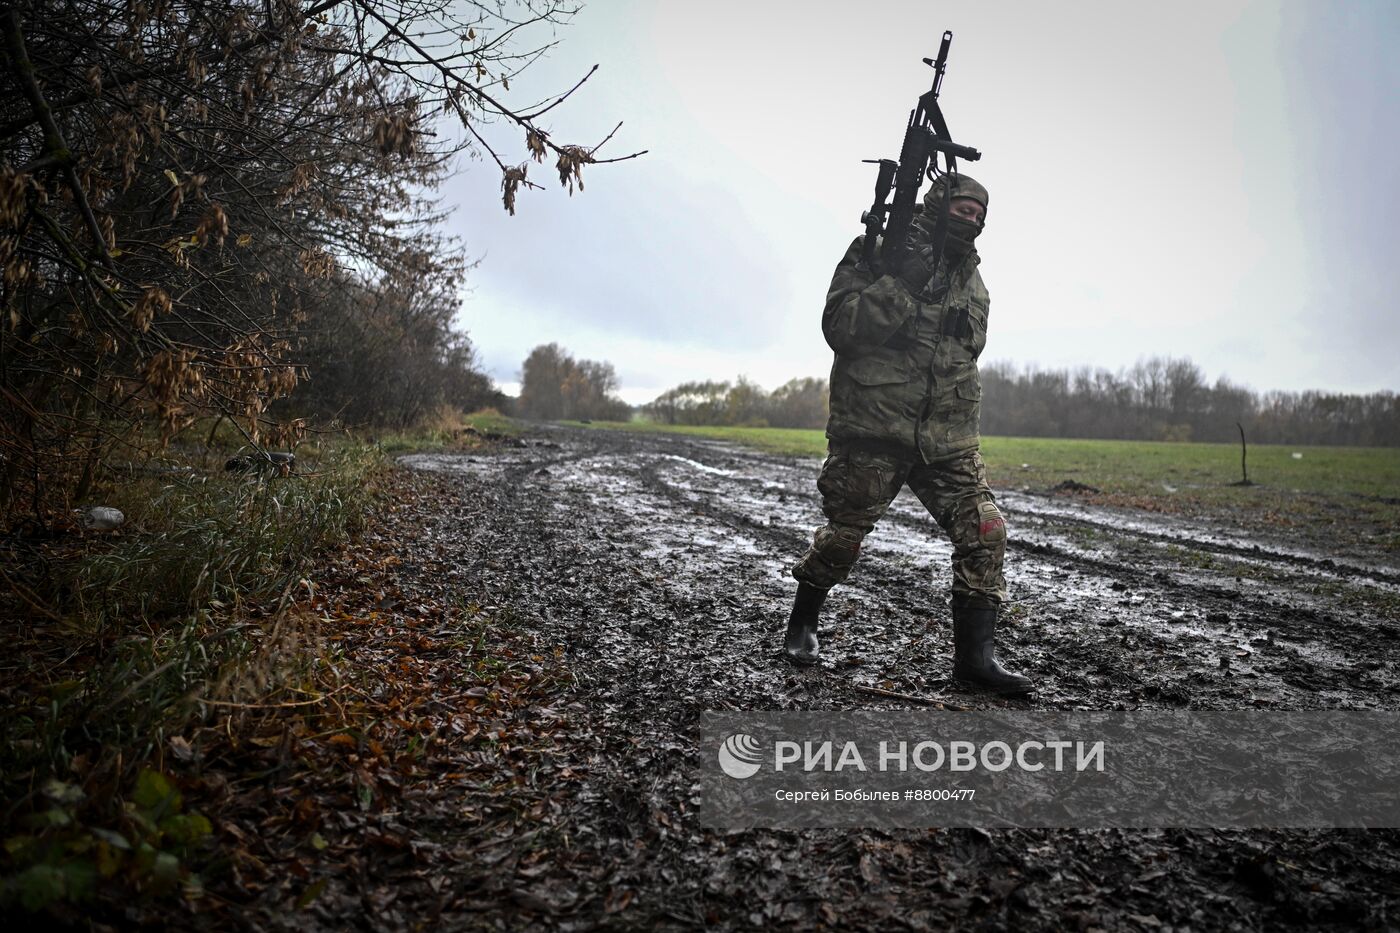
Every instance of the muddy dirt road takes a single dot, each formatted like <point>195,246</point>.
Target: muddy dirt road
<point>659,564</point>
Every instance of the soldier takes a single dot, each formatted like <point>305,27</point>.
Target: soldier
<point>905,404</point>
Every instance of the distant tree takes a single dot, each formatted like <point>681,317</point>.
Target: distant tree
<point>542,378</point>
<point>799,403</point>
<point>746,404</point>
<point>554,385</point>
<point>692,403</point>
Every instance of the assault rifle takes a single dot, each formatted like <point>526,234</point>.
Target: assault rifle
<point>925,136</point>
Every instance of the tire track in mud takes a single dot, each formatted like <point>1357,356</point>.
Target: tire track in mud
<point>1132,580</point>
<point>1227,622</point>
<point>643,599</point>
<point>872,627</point>
<point>1120,622</point>
<point>1047,510</point>
<point>1220,624</point>
<point>659,565</point>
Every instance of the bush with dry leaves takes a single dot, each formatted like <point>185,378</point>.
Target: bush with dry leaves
<point>202,205</point>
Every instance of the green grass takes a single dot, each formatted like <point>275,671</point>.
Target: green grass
<point>160,603</point>
<point>218,537</point>
<point>492,421</point>
<point>143,620</point>
<point>448,432</point>
<point>1142,467</point>
<point>132,636</point>
<point>124,641</point>
<point>1120,467</point>
<point>789,442</point>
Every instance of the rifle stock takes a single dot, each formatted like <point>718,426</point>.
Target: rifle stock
<point>874,219</point>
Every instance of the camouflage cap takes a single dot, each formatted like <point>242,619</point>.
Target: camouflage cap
<point>964,186</point>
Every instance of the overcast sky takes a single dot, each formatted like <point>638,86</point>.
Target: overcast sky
<point>1205,179</point>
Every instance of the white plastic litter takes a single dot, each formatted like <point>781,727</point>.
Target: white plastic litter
<point>100,517</point>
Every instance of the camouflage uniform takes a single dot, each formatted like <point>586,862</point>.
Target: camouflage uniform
<point>905,407</point>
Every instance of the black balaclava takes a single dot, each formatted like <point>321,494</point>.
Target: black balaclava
<point>962,234</point>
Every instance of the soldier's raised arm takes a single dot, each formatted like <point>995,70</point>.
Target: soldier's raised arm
<point>863,312</point>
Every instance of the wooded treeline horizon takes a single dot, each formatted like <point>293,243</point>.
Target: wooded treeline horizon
<point>1156,399</point>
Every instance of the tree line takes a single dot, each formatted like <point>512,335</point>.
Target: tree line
<point>231,210</point>
<point>1170,399</point>
<point>798,403</point>
<point>1160,398</point>
<point>555,385</point>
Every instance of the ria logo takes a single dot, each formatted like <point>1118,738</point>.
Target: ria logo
<point>739,756</point>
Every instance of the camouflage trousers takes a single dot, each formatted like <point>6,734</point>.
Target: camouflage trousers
<point>857,486</point>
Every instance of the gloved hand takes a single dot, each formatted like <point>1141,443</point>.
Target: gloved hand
<point>916,270</point>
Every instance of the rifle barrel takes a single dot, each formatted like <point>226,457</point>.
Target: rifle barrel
<point>942,62</point>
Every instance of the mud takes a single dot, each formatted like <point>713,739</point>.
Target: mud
<point>659,564</point>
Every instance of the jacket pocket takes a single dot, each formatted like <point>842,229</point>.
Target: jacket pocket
<point>879,370</point>
<point>964,421</point>
<point>870,396</point>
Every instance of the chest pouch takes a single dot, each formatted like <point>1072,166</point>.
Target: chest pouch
<point>956,323</point>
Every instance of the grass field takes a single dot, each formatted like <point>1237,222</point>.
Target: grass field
<point>1185,471</point>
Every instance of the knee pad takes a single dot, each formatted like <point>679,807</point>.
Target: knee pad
<point>838,544</point>
<point>991,527</point>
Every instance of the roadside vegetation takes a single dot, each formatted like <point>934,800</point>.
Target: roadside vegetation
<point>448,430</point>
<point>221,237</point>
<point>202,612</point>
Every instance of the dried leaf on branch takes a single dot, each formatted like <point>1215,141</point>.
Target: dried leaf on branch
<point>572,159</point>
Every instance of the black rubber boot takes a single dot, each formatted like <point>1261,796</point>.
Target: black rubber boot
<point>974,630</point>
<point>800,645</point>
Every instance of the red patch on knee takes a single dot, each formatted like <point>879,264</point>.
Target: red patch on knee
<point>991,524</point>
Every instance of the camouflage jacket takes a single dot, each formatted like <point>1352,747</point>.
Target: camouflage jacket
<point>906,367</point>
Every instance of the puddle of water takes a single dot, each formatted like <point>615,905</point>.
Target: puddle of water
<point>718,471</point>
<point>1183,532</point>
